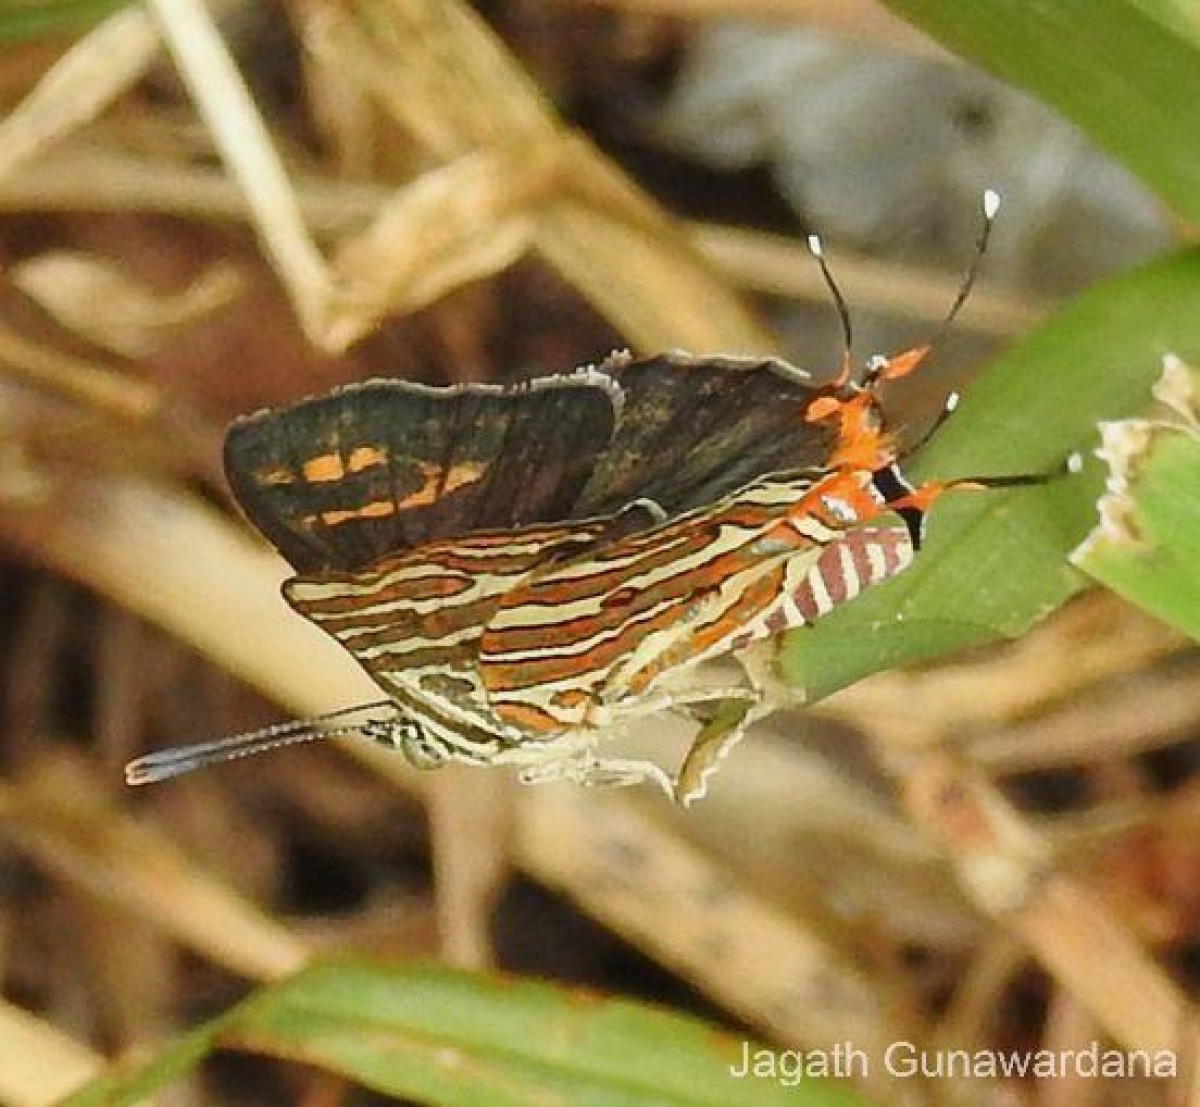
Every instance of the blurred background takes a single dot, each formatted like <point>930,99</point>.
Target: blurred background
<point>208,210</point>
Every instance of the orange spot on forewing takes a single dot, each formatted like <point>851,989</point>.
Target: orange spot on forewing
<point>325,467</point>
<point>437,482</point>
<point>377,509</point>
<point>365,457</point>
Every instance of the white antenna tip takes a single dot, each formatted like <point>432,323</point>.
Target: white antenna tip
<point>952,403</point>
<point>1075,462</point>
<point>991,203</point>
<point>814,245</point>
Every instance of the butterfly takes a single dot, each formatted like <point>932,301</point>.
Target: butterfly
<point>522,567</point>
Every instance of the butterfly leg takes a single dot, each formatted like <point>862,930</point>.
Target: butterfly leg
<point>594,772</point>
<point>735,708</point>
<point>711,746</point>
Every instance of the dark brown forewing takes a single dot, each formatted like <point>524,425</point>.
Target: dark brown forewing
<point>695,428</point>
<point>341,480</point>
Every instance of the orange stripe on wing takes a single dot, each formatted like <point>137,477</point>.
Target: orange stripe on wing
<point>752,602</point>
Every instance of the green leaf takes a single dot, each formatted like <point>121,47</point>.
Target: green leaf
<point>1127,71</point>
<point>438,1036</point>
<point>30,19</point>
<point>996,562</point>
<point>1146,545</point>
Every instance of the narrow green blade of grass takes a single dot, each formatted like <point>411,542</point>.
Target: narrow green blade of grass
<point>1127,71</point>
<point>29,19</point>
<point>1147,545</point>
<point>438,1036</point>
<point>996,562</point>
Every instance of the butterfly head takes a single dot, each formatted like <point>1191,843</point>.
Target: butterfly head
<point>863,443</point>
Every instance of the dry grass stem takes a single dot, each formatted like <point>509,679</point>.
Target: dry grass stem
<point>1002,863</point>
<point>470,816</point>
<point>970,1016</point>
<point>122,863</point>
<point>783,267</point>
<point>85,81</point>
<point>925,707</point>
<point>447,200</point>
<point>864,19</point>
<point>41,1063</point>
<point>638,268</point>
<point>95,386</point>
<point>600,231</point>
<point>103,303</point>
<point>1150,711</point>
<point>459,223</point>
<point>697,917</point>
<point>805,828</point>
<point>105,178</point>
<point>1068,1026</point>
<point>240,134</point>
<point>122,537</point>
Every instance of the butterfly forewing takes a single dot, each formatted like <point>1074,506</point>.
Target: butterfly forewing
<point>343,480</point>
<point>692,430</point>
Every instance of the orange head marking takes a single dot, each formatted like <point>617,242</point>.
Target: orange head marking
<point>921,499</point>
<point>822,408</point>
<point>903,363</point>
<point>862,442</point>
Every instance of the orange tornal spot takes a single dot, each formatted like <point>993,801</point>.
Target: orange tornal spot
<point>438,482</point>
<point>530,719</point>
<point>570,698</point>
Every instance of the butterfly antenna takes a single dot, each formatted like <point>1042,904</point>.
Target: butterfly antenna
<point>843,311</point>
<point>949,407</point>
<point>991,205</point>
<point>164,764</point>
<point>904,363</point>
<point>1071,464</point>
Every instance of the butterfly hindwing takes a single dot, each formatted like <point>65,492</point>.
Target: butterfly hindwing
<point>597,628</point>
<point>414,620</point>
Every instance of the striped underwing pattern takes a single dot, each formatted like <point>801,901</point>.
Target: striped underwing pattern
<point>520,568</point>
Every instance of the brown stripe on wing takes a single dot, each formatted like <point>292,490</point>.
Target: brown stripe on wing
<point>712,637</point>
<point>570,628</point>
<point>414,620</point>
<point>434,590</point>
